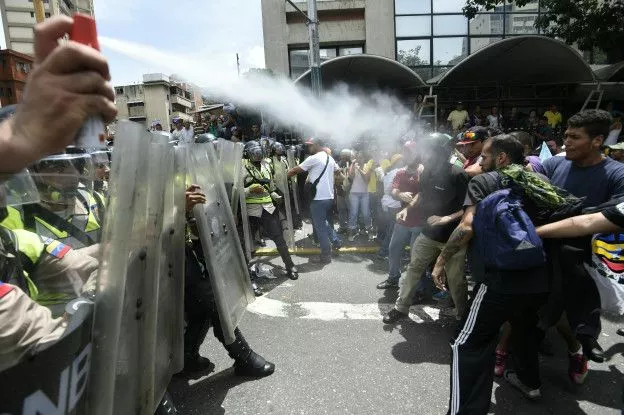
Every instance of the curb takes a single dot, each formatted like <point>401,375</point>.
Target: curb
<point>317,251</point>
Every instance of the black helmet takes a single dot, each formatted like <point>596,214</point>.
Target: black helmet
<point>253,150</point>
<point>205,138</point>
<point>278,149</point>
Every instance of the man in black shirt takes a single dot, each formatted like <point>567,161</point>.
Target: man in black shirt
<point>500,296</point>
<point>441,196</point>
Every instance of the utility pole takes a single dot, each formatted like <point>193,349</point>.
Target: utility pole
<point>314,55</point>
<point>315,51</point>
<point>39,10</point>
<point>237,65</point>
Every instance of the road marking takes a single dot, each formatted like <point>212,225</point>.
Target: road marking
<point>335,311</point>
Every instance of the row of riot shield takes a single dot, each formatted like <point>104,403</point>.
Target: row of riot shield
<point>139,311</point>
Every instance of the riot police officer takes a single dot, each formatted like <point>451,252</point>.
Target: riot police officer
<point>260,196</point>
<point>201,312</point>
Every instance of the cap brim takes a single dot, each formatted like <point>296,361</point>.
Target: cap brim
<point>463,143</point>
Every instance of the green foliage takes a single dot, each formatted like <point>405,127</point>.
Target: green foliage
<point>591,24</point>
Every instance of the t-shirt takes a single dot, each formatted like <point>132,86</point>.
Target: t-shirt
<point>615,214</point>
<point>314,165</point>
<point>359,185</point>
<point>495,121</point>
<point>554,118</point>
<point>442,193</point>
<point>534,280</point>
<point>407,181</point>
<point>387,201</point>
<point>597,184</point>
<point>458,119</point>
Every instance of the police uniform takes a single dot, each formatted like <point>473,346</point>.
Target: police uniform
<point>262,212</point>
<point>25,326</point>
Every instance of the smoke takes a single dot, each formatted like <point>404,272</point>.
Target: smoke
<point>340,114</point>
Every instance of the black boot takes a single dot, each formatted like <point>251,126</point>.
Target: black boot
<point>197,364</point>
<point>246,361</point>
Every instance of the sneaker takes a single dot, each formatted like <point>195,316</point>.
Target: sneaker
<point>351,235</point>
<point>512,378</point>
<point>578,368</point>
<point>393,316</point>
<point>292,273</point>
<point>501,362</point>
<point>337,244</point>
<point>388,284</point>
<point>441,295</point>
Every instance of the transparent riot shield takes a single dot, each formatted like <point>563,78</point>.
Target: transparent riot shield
<point>222,249</point>
<point>292,162</point>
<point>140,278</point>
<point>281,181</point>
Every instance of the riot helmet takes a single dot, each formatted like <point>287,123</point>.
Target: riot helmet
<point>59,177</point>
<point>437,147</point>
<point>255,154</point>
<point>278,149</point>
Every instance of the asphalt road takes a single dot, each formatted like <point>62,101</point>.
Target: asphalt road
<point>333,355</point>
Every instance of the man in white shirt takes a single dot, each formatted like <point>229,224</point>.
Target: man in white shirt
<point>178,133</point>
<point>321,169</point>
<point>189,133</point>
<point>458,118</point>
<point>495,120</point>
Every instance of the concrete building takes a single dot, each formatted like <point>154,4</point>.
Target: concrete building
<point>429,36</point>
<point>18,18</point>
<point>14,69</point>
<point>347,27</point>
<point>157,100</point>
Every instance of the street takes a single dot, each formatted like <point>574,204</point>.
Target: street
<point>333,355</point>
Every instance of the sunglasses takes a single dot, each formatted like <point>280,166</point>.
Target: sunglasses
<point>469,135</point>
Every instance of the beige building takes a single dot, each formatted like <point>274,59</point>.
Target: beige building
<point>18,19</point>
<point>347,27</point>
<point>159,99</point>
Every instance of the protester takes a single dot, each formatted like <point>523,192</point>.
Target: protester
<point>321,169</point>
<point>389,205</point>
<point>553,116</point>
<point>495,120</point>
<point>587,174</point>
<point>533,163</point>
<point>359,198</point>
<point>615,130</point>
<point>458,118</point>
<point>405,187</point>
<point>502,293</point>
<point>543,131</point>
<point>343,187</point>
<point>477,118</point>
<point>440,200</point>
<point>616,152</point>
<point>472,144</point>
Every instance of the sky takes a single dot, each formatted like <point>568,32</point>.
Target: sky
<point>212,31</point>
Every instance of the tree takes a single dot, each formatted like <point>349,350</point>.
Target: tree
<point>590,24</point>
<point>410,57</point>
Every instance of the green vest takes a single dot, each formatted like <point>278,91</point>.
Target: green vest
<point>253,176</point>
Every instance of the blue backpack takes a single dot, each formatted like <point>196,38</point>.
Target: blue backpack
<point>504,235</point>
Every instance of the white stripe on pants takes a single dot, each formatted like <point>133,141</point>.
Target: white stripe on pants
<point>461,339</point>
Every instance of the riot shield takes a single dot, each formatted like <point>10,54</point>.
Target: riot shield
<point>222,249</point>
<point>140,278</point>
<point>281,181</point>
<point>55,377</point>
<point>290,156</point>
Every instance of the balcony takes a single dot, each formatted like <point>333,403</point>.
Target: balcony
<point>136,111</point>
<point>184,116</point>
<point>180,100</point>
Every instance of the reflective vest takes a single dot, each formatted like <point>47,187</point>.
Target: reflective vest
<point>87,222</point>
<point>254,175</point>
<point>13,219</point>
<point>31,248</point>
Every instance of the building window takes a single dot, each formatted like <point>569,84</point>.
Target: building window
<point>1,92</point>
<point>299,59</point>
<point>32,14</point>
<point>434,35</point>
<point>47,15</point>
<point>119,90</point>
<point>9,92</point>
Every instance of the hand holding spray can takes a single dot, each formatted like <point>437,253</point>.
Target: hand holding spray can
<point>92,133</point>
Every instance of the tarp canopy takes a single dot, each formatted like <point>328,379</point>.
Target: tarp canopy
<point>522,60</point>
<point>367,71</point>
<point>611,73</point>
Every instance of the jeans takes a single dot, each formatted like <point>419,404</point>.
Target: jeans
<point>322,216</point>
<point>401,237</point>
<point>424,251</point>
<point>359,201</point>
<point>389,219</point>
<point>343,210</point>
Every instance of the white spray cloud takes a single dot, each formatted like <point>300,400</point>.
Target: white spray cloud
<point>340,113</point>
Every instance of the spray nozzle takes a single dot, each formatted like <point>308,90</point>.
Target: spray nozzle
<point>84,31</point>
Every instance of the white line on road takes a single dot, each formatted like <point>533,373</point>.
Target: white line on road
<point>335,311</point>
